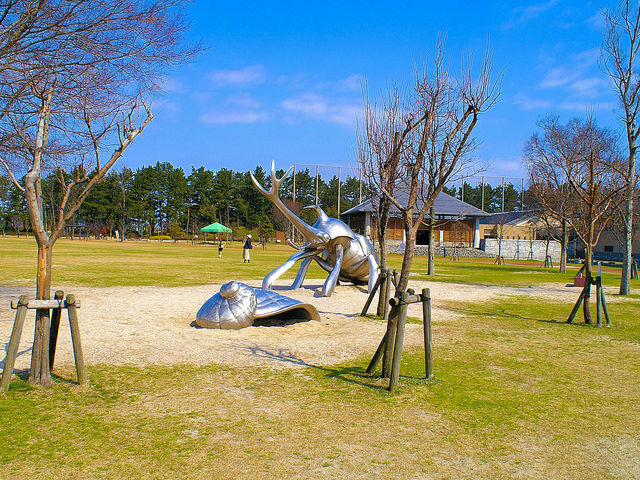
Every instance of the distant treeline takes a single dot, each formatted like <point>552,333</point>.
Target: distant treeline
<point>493,196</point>
<point>163,200</point>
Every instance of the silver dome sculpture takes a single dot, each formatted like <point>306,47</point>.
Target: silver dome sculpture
<point>346,255</point>
<point>238,305</point>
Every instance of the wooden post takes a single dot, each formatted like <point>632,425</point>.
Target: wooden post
<point>387,295</point>
<point>55,326</point>
<point>604,307</point>
<point>377,356</point>
<point>382,298</point>
<point>75,338</point>
<point>372,294</point>
<point>598,297</point>
<point>426,323</point>
<point>14,342</point>
<point>392,325</point>
<point>399,341</point>
<point>578,303</point>
<point>586,312</point>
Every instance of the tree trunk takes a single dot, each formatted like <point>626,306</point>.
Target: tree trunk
<point>627,247</point>
<point>407,259</point>
<point>564,241</point>
<point>431,268</point>
<point>40,373</point>
<point>546,251</point>
<point>586,305</point>
<point>382,234</point>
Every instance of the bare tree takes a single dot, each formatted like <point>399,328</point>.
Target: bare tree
<point>580,162</point>
<point>445,109</point>
<point>73,80</point>
<point>552,195</point>
<point>501,220</point>
<point>619,51</point>
<point>381,140</point>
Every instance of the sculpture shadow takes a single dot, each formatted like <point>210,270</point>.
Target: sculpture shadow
<point>353,375</point>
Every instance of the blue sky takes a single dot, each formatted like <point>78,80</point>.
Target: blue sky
<point>282,80</point>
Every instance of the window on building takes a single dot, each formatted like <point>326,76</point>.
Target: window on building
<point>608,248</point>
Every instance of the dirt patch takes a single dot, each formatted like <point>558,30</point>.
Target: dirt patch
<point>153,325</point>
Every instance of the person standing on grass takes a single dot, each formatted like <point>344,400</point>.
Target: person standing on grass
<point>220,247</point>
<point>246,250</point>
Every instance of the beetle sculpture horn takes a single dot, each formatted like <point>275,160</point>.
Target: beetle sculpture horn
<point>311,234</point>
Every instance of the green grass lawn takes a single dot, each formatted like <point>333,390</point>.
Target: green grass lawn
<point>107,263</point>
<point>103,263</point>
<point>514,396</point>
<point>518,393</point>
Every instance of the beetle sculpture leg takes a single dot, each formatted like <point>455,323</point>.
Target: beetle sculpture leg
<point>332,280</point>
<point>275,273</point>
<point>374,271</point>
<point>302,272</point>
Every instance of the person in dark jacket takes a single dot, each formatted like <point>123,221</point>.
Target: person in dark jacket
<point>246,250</point>
<point>220,247</point>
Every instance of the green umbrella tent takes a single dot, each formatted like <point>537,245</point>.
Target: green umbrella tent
<point>216,228</point>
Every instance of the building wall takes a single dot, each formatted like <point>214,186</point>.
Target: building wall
<point>522,249</point>
<point>454,232</point>
<point>609,243</point>
<point>510,232</point>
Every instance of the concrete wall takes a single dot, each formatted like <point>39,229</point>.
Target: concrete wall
<point>522,249</point>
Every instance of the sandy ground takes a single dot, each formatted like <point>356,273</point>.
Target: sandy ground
<point>151,325</point>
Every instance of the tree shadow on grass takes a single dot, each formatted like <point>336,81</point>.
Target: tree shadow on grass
<point>354,375</point>
<point>504,313</point>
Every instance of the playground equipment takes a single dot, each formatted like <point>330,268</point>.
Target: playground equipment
<point>71,304</point>
<point>346,255</point>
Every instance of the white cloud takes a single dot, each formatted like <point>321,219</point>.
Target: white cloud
<point>525,14</point>
<point>559,76</point>
<point>166,108</point>
<point>596,21</point>
<point>572,70</point>
<point>251,75</point>
<point>352,82</point>
<point>508,167</point>
<point>171,85</point>
<point>590,87</point>
<point>318,107</point>
<point>218,117</point>
<point>528,103</point>
<point>586,107</point>
<point>588,57</point>
<point>244,100</point>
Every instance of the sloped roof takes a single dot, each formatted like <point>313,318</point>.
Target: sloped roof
<point>444,205</point>
<point>510,218</point>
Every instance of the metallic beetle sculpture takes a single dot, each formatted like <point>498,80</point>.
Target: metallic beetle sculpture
<point>346,255</point>
<point>238,305</point>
